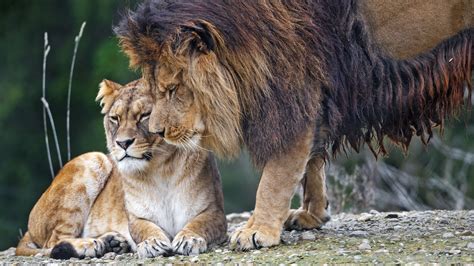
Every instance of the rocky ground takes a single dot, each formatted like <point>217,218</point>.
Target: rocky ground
<point>408,237</point>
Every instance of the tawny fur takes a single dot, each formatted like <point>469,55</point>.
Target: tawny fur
<point>85,208</point>
<point>268,74</point>
<point>405,28</point>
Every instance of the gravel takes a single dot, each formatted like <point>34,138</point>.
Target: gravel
<point>374,237</point>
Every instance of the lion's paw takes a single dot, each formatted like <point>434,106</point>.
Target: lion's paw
<point>115,242</point>
<point>303,220</point>
<point>154,247</point>
<point>189,243</point>
<point>254,237</point>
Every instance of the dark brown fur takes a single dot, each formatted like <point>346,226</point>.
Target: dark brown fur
<point>299,64</point>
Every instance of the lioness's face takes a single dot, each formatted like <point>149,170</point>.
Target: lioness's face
<point>127,111</point>
<point>176,115</point>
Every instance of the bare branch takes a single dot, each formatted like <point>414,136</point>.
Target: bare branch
<point>51,120</point>
<point>68,114</point>
<point>453,153</point>
<point>46,50</point>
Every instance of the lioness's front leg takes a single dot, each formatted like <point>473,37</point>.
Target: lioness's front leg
<point>313,212</point>
<point>152,240</point>
<point>280,177</point>
<point>207,228</point>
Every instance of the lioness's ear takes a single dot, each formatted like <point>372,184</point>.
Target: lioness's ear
<point>108,90</point>
<point>196,36</point>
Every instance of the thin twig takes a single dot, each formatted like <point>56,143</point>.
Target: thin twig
<point>46,50</point>
<point>68,114</point>
<point>51,120</point>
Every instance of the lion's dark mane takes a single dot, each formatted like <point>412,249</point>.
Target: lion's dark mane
<point>325,71</point>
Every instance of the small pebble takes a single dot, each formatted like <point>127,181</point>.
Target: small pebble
<point>359,234</point>
<point>307,235</point>
<point>194,259</point>
<point>470,245</point>
<point>256,252</point>
<point>364,217</point>
<point>293,256</point>
<point>448,235</point>
<point>365,245</point>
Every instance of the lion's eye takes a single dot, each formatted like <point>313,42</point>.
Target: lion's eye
<point>145,116</point>
<point>114,119</point>
<point>171,91</point>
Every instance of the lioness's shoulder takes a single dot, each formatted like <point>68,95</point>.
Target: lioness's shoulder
<point>95,164</point>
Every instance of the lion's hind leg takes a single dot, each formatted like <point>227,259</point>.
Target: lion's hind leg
<point>314,210</point>
<point>90,247</point>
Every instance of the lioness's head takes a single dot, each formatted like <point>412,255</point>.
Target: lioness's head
<point>126,112</point>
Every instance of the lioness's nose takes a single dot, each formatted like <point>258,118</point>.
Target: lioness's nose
<point>124,144</point>
<point>161,132</point>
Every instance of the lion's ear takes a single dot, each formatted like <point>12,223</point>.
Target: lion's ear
<point>108,90</point>
<point>196,37</point>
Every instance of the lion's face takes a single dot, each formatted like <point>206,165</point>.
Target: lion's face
<point>127,110</point>
<point>176,115</point>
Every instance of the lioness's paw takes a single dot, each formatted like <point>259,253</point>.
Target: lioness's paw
<point>303,220</point>
<point>115,242</point>
<point>254,237</point>
<point>154,247</point>
<point>189,243</point>
<point>78,248</point>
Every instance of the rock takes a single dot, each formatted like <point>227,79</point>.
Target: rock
<point>374,212</point>
<point>448,235</point>
<point>365,245</point>
<point>293,256</point>
<point>470,245</point>
<point>364,217</point>
<point>392,216</point>
<point>308,235</point>
<point>109,256</point>
<point>382,251</point>
<point>194,259</point>
<point>256,252</point>
<point>359,234</point>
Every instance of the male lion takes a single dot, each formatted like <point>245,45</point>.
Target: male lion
<point>289,80</point>
<point>168,200</point>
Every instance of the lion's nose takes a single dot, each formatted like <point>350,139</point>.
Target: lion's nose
<point>124,144</point>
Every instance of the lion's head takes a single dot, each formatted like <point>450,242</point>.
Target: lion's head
<point>126,112</point>
<point>197,103</point>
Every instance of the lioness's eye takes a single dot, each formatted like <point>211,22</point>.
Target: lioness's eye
<point>145,116</point>
<point>114,119</point>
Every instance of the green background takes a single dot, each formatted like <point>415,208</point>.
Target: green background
<point>357,182</point>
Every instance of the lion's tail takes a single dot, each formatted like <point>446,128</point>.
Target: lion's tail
<point>26,247</point>
<point>378,96</point>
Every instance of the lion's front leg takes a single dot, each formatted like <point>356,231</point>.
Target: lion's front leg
<point>280,177</point>
<point>313,212</point>
<point>152,240</point>
<point>203,231</point>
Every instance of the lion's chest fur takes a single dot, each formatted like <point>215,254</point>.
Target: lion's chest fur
<point>165,201</point>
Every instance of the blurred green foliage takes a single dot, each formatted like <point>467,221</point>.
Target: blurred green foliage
<point>24,172</point>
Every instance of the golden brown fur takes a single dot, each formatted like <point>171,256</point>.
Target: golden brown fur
<point>289,80</point>
<point>405,28</point>
<point>94,204</point>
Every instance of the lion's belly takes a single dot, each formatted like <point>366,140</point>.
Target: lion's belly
<point>164,203</point>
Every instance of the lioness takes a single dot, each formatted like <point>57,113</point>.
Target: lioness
<point>290,80</point>
<point>166,199</point>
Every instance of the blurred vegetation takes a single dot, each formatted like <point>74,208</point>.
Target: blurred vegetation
<point>24,172</point>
